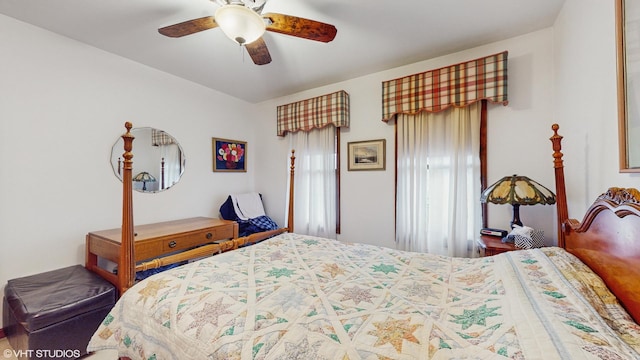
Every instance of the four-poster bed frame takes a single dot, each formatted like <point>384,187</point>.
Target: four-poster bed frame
<point>541,302</point>
<point>606,240</point>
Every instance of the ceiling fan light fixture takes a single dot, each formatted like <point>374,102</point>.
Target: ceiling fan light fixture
<point>240,23</point>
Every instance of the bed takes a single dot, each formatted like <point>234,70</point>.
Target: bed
<point>294,296</point>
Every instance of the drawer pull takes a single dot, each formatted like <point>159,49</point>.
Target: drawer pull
<point>209,236</point>
<point>172,244</point>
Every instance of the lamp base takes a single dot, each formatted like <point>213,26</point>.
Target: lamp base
<point>516,216</point>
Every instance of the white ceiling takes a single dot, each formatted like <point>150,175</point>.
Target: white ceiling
<point>373,35</point>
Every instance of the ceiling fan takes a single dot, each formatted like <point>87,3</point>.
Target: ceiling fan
<point>243,22</point>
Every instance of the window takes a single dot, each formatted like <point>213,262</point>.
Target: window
<point>317,181</point>
<point>438,181</point>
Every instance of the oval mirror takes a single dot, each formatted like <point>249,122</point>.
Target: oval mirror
<point>158,160</point>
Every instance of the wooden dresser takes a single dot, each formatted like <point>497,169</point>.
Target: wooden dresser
<point>156,240</point>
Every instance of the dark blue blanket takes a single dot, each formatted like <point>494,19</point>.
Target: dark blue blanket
<point>246,227</point>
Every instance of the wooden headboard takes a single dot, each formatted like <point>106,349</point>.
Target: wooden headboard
<point>607,239</point>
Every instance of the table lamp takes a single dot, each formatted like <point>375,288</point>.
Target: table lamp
<point>145,177</point>
<point>517,190</point>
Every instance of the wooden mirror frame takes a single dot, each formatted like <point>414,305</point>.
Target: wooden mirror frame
<point>623,115</point>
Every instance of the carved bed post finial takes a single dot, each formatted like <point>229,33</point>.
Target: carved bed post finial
<point>291,176</point>
<point>557,146</point>
<point>561,195</point>
<point>126,265</point>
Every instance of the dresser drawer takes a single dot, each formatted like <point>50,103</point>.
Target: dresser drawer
<point>204,236</point>
<point>224,232</point>
<point>156,240</point>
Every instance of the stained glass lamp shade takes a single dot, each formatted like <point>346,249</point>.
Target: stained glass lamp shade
<point>517,190</point>
<point>144,177</point>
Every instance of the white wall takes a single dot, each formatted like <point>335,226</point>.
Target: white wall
<point>585,104</point>
<point>518,136</point>
<point>565,75</point>
<point>62,106</point>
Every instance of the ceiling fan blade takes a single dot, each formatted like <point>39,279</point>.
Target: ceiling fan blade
<point>300,27</point>
<point>189,27</point>
<point>259,52</point>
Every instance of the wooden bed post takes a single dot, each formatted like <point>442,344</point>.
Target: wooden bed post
<point>126,265</point>
<point>291,176</point>
<point>561,194</point>
<point>162,174</point>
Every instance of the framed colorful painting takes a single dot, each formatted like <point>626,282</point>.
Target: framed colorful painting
<point>229,155</point>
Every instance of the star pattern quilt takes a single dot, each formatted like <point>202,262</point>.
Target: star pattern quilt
<point>302,297</point>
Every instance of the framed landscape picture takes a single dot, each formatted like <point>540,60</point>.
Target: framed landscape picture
<point>367,155</point>
<point>229,155</point>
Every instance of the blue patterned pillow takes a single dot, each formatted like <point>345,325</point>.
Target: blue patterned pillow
<point>264,222</point>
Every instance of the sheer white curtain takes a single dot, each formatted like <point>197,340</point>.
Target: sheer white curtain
<point>438,187</point>
<point>172,157</point>
<point>315,181</point>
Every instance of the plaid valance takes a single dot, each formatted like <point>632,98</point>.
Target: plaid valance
<point>313,113</point>
<point>455,85</point>
<point>159,138</point>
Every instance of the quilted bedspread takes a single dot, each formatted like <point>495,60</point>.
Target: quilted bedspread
<point>302,297</point>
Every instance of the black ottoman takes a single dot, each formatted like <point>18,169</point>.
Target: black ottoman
<point>53,315</point>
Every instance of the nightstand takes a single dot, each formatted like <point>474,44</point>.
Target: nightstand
<point>492,245</point>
